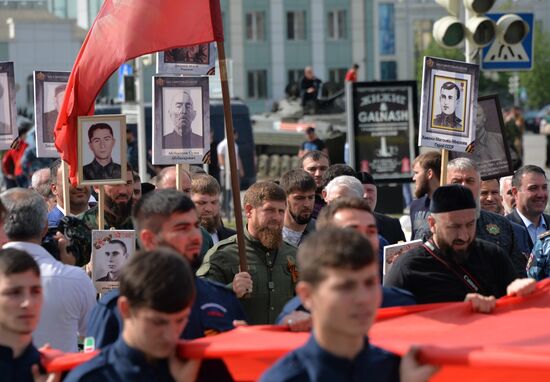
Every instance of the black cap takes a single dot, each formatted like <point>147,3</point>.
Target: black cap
<point>452,198</point>
<point>365,178</point>
<point>146,187</point>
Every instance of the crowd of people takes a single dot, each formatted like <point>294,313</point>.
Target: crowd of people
<point>314,248</point>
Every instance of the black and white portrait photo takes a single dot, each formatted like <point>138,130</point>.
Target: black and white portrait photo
<point>192,60</point>
<point>489,150</point>
<point>182,128</point>
<point>110,252</point>
<point>181,119</point>
<point>8,128</point>
<point>102,153</point>
<point>49,91</point>
<point>448,104</point>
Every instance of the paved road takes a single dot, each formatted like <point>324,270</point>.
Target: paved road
<point>534,147</point>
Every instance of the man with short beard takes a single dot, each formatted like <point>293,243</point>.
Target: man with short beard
<point>453,265</point>
<point>315,163</point>
<point>271,262</point>
<point>300,198</point>
<point>427,171</point>
<point>205,193</point>
<point>118,206</point>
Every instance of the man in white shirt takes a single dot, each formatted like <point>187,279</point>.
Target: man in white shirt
<point>68,292</point>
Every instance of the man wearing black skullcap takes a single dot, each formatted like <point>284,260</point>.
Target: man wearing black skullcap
<point>453,265</point>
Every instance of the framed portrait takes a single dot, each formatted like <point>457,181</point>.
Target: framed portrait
<point>8,113</point>
<point>102,149</point>
<point>181,119</point>
<point>393,251</point>
<point>448,104</point>
<point>49,91</point>
<point>490,148</point>
<point>111,250</point>
<point>194,60</point>
<point>381,128</point>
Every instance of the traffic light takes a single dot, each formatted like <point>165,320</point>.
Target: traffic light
<point>513,84</point>
<point>478,30</point>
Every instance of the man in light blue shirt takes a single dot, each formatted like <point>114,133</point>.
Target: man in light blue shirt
<point>530,190</point>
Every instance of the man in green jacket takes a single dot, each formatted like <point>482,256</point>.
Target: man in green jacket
<point>272,272</point>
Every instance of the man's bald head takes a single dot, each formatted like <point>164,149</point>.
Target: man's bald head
<point>167,179</point>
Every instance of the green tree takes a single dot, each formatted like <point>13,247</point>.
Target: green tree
<point>537,81</point>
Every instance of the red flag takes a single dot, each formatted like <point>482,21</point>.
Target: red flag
<point>122,30</point>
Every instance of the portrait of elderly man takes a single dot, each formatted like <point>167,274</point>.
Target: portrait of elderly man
<point>449,96</point>
<point>50,117</point>
<point>181,113</point>
<point>101,143</point>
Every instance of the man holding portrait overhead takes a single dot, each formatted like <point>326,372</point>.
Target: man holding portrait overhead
<point>448,100</point>
<point>182,114</point>
<point>101,143</point>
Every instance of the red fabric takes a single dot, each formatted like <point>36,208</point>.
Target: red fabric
<point>121,31</point>
<point>11,161</point>
<point>511,344</point>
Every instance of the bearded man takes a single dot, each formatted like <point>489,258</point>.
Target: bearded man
<point>205,193</point>
<point>118,206</point>
<point>453,265</point>
<point>300,192</point>
<point>272,273</point>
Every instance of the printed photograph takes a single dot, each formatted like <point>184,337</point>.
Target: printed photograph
<point>102,149</point>
<point>192,60</point>
<point>181,119</point>
<point>8,127</point>
<point>110,252</point>
<point>448,104</point>
<point>490,149</point>
<point>49,91</point>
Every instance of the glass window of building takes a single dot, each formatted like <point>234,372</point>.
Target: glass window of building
<point>386,29</point>
<point>294,75</point>
<point>388,70</point>
<point>257,84</point>
<point>296,25</point>
<point>337,25</point>
<point>255,26</point>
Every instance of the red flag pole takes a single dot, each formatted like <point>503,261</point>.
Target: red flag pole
<point>235,187</point>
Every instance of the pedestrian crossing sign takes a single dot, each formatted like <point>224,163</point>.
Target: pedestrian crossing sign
<point>501,56</point>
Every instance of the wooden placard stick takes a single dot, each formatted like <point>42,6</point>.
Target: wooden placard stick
<point>101,207</point>
<point>235,187</point>
<point>66,187</point>
<point>444,161</point>
<point>179,175</point>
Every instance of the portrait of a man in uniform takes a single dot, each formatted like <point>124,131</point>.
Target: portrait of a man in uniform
<point>101,143</point>
<point>182,113</point>
<point>449,96</point>
<point>50,117</point>
<point>113,256</point>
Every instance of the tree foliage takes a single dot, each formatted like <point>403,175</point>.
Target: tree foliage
<point>537,81</point>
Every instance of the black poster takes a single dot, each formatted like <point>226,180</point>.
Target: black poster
<point>383,116</point>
